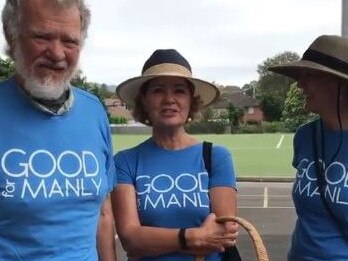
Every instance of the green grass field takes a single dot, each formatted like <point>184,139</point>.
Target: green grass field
<point>254,155</point>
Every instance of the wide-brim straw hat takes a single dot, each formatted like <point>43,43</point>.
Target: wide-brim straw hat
<point>328,53</point>
<point>166,62</point>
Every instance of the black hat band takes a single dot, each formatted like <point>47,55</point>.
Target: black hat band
<point>325,60</point>
<point>166,56</point>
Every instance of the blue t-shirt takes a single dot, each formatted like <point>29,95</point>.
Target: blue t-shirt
<point>316,236</point>
<point>55,172</point>
<point>172,185</point>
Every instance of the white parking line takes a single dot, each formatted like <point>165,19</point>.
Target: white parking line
<point>258,207</point>
<point>269,196</point>
<point>265,197</point>
<point>250,195</point>
<point>280,141</point>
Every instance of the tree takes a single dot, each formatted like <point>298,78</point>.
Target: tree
<point>207,114</point>
<point>79,80</point>
<point>100,90</point>
<point>234,115</point>
<point>250,88</point>
<point>7,68</point>
<point>281,58</point>
<point>105,92</point>
<point>272,106</point>
<point>273,82</point>
<point>274,86</point>
<point>294,113</point>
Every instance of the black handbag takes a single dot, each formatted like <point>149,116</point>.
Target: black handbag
<point>231,253</point>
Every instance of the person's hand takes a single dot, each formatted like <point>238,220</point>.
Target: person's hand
<point>231,227</point>
<point>211,236</point>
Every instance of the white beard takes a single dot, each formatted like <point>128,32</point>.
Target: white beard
<point>44,87</point>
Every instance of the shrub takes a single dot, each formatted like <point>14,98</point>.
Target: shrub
<point>272,127</point>
<point>205,127</point>
<point>118,120</point>
<point>250,128</point>
<point>263,127</point>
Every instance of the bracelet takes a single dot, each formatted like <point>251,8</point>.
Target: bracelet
<point>182,238</point>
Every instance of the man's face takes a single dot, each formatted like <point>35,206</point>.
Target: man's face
<point>48,47</point>
<point>320,90</point>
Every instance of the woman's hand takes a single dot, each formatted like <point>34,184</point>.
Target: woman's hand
<point>211,236</point>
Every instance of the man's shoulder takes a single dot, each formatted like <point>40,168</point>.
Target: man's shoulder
<point>5,82</point>
<point>7,86</point>
<point>305,131</point>
<point>82,94</point>
<point>308,126</point>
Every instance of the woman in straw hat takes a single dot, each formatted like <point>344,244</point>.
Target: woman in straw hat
<point>320,190</point>
<point>165,203</point>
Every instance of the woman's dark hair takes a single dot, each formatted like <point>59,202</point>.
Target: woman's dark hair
<point>140,114</point>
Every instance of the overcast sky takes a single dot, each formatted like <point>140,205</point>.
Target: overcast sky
<point>224,40</point>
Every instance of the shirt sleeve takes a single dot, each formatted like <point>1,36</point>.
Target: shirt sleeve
<point>110,166</point>
<point>123,168</point>
<point>223,173</point>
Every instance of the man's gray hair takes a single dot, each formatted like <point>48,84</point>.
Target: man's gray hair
<point>11,18</point>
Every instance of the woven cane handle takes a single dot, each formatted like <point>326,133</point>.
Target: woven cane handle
<point>261,252</point>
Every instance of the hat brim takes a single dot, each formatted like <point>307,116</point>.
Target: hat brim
<point>294,69</point>
<point>128,90</point>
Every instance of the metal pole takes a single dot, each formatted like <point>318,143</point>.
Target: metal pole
<point>344,31</point>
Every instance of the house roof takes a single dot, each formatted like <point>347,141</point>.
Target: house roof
<point>235,95</point>
<point>112,102</point>
<point>120,112</point>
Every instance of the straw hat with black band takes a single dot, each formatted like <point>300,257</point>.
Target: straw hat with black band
<point>166,62</point>
<point>328,53</point>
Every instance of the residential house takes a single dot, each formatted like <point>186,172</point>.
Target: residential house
<point>235,96</point>
<point>117,108</point>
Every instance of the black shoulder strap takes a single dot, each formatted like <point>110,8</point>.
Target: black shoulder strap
<point>207,146</point>
<point>231,253</point>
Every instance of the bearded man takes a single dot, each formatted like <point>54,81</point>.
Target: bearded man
<point>56,166</point>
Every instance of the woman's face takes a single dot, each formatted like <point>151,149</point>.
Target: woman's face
<point>320,90</point>
<point>167,101</point>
